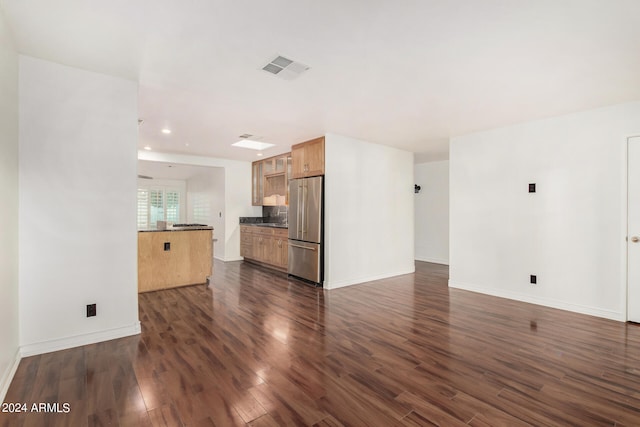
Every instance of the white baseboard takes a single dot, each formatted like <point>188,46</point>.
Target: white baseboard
<point>233,259</point>
<point>7,376</point>
<point>360,280</point>
<point>79,340</point>
<point>433,260</point>
<point>546,302</point>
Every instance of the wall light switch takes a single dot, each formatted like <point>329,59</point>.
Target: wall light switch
<point>532,188</point>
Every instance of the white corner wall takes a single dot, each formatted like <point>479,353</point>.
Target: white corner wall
<point>432,212</point>
<point>205,204</point>
<point>570,233</point>
<point>237,194</point>
<point>78,239</point>
<point>369,212</point>
<point>9,317</point>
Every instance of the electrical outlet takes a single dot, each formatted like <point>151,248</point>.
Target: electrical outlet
<point>91,310</point>
<point>532,188</point>
<point>533,279</point>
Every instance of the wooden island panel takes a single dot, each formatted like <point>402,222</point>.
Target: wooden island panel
<point>187,262</point>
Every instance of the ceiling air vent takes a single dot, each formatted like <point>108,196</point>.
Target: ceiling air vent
<point>285,68</point>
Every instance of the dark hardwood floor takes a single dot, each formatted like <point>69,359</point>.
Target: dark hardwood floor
<point>261,350</point>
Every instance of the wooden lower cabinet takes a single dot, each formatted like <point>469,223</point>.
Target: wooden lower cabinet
<point>265,245</point>
<point>187,259</point>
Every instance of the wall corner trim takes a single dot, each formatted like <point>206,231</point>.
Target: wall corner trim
<point>7,376</point>
<point>432,260</point>
<point>79,340</point>
<point>364,279</point>
<point>545,302</point>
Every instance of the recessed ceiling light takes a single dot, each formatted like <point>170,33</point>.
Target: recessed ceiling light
<point>186,145</point>
<point>252,145</point>
<point>146,147</point>
<point>166,131</point>
<point>259,154</point>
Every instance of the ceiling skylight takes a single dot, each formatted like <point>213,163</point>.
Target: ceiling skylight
<point>252,145</point>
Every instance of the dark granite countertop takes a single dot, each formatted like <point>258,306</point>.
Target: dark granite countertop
<point>263,221</point>
<point>265,224</point>
<point>179,229</point>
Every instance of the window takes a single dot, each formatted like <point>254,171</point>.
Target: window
<point>156,207</point>
<point>143,208</point>
<point>158,204</point>
<point>173,206</point>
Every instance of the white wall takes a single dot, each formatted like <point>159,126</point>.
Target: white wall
<point>78,239</point>
<point>369,223</point>
<point>570,233</point>
<point>205,204</point>
<point>237,193</point>
<point>432,212</point>
<point>9,338</point>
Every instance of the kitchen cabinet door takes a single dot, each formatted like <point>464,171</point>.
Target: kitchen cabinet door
<point>314,157</point>
<point>257,182</point>
<point>297,161</point>
<point>281,251</point>
<point>308,158</point>
<point>246,242</point>
<point>265,245</point>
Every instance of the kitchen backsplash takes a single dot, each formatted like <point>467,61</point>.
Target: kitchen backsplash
<point>277,214</point>
<point>270,214</point>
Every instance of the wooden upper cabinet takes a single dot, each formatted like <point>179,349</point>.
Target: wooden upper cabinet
<point>257,184</point>
<point>308,158</point>
<point>314,156</point>
<point>275,165</point>
<point>270,181</point>
<point>297,161</point>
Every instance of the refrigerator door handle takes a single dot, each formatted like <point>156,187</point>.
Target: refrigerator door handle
<point>299,213</point>
<point>301,247</point>
<point>305,205</point>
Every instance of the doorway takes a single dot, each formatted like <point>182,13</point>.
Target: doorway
<point>633,229</point>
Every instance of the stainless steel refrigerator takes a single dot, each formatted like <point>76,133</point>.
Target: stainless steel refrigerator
<point>306,229</point>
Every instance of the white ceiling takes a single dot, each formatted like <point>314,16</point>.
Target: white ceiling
<point>161,170</point>
<point>406,73</point>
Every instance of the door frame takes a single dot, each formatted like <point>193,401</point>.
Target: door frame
<point>625,223</point>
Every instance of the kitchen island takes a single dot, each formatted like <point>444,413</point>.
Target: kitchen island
<point>174,257</point>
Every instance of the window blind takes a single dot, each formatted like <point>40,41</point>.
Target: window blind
<point>157,204</point>
<point>143,208</point>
